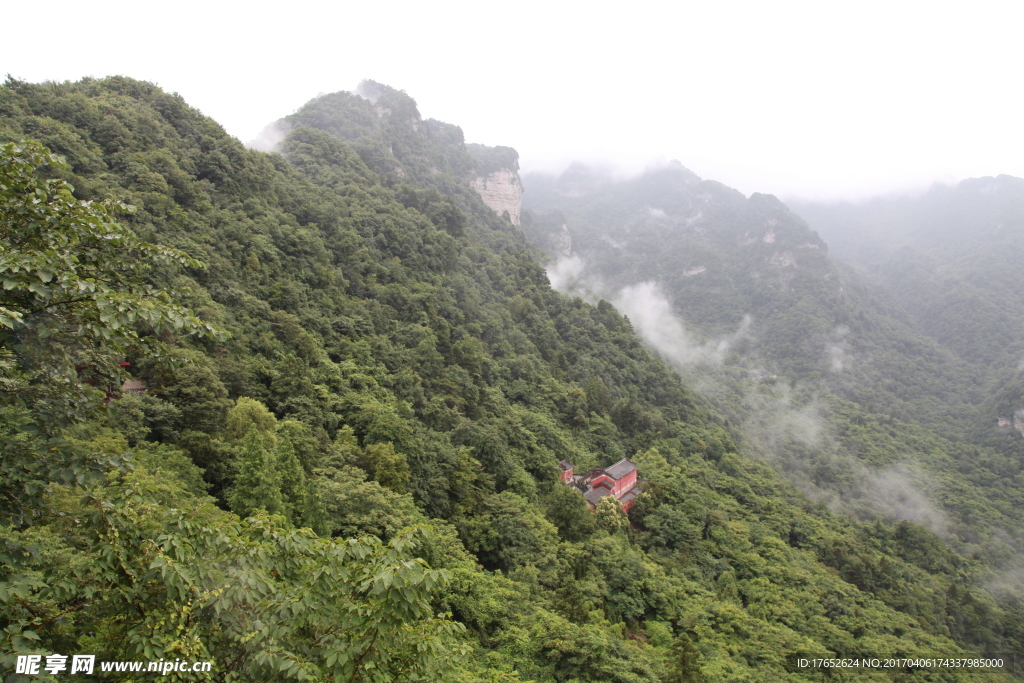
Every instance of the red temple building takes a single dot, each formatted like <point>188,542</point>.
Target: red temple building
<point>618,480</point>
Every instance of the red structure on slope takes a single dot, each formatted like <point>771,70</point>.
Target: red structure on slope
<point>618,480</point>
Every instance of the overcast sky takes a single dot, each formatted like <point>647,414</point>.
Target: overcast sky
<point>817,99</point>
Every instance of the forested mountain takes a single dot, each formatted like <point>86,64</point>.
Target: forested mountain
<point>340,340</point>
<point>752,272</point>
<point>951,258</point>
<point>859,394</point>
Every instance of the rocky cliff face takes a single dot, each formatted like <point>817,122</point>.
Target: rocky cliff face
<point>562,240</point>
<point>502,191</point>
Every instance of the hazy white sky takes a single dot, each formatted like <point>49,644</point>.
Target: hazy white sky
<point>821,99</point>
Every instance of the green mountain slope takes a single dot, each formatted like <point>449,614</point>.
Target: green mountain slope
<point>951,259</point>
<point>750,277</point>
<point>821,368</point>
<point>398,357</point>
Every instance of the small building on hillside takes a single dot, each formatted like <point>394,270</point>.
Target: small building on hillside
<point>134,386</point>
<point>618,480</point>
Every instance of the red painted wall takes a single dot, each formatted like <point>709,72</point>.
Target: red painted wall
<point>624,484</point>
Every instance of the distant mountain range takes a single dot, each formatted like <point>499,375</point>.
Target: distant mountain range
<point>881,374</point>
<point>952,259</point>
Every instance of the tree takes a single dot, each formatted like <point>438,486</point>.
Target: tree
<point>248,412</point>
<point>510,533</point>
<point>610,516</point>
<point>388,467</point>
<point>568,511</point>
<point>298,495</point>
<point>685,662</point>
<point>73,277</point>
<point>73,302</point>
<point>263,602</point>
<point>307,450</point>
<point>258,485</point>
<point>195,390</point>
<point>293,480</point>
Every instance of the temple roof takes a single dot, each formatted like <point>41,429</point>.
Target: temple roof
<point>620,469</point>
<point>631,494</point>
<point>596,494</point>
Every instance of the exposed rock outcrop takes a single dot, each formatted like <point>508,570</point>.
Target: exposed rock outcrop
<point>502,191</point>
<point>562,240</point>
<point>1016,422</point>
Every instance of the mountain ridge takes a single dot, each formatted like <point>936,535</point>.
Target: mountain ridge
<point>742,296</point>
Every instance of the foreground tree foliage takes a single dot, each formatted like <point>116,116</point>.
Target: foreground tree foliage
<point>142,580</point>
<point>264,602</point>
<point>398,359</point>
<point>72,299</point>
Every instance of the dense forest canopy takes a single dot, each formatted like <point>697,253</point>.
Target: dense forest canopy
<point>353,387</point>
